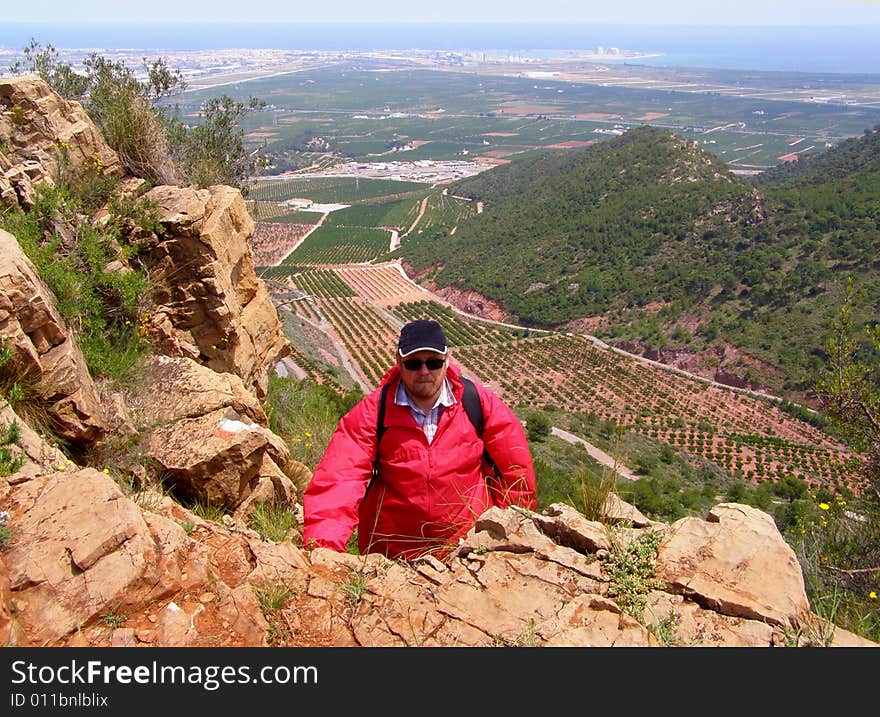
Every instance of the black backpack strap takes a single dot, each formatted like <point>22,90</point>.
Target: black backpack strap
<point>380,422</point>
<point>380,431</point>
<point>470,398</point>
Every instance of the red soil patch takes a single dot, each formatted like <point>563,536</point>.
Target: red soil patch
<point>499,134</point>
<point>792,157</point>
<point>648,116</point>
<point>272,241</point>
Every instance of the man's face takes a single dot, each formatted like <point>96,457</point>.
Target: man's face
<point>422,382</point>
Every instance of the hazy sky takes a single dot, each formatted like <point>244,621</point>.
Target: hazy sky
<point>749,12</point>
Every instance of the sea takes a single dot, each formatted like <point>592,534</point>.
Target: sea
<point>845,49</point>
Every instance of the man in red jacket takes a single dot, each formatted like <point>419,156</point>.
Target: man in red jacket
<point>431,481</point>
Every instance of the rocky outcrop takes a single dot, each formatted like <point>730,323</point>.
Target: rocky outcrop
<point>43,135</point>
<point>89,565</point>
<point>746,570</point>
<point>210,305</point>
<point>472,302</point>
<point>45,358</point>
<point>209,437</point>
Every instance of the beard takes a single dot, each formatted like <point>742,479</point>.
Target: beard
<point>425,388</point>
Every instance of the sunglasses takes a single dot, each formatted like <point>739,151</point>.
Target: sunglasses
<point>415,364</point>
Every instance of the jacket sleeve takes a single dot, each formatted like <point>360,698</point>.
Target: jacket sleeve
<point>338,485</point>
<point>505,440</point>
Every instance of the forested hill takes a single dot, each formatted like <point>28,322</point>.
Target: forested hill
<point>649,219</point>
<point>568,235</point>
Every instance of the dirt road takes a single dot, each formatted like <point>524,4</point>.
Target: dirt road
<point>596,453</point>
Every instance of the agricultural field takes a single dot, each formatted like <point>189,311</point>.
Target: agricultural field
<point>348,220</point>
<point>746,436</point>
<point>359,110</point>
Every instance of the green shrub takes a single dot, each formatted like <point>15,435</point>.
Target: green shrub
<point>305,413</point>
<point>632,574</point>
<point>838,547</point>
<point>213,151</point>
<point>272,521</point>
<point>5,532</point>
<point>537,426</point>
<point>150,142</point>
<point>10,460</point>
<point>100,304</point>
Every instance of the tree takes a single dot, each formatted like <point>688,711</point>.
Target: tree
<point>123,108</point>
<point>58,75</point>
<point>848,387</point>
<point>537,426</point>
<point>120,104</point>
<point>213,151</point>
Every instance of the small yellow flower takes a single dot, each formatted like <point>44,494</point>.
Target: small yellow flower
<point>106,470</point>
<point>872,595</point>
<point>824,506</point>
<point>308,435</point>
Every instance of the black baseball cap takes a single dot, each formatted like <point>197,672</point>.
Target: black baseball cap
<point>421,335</point>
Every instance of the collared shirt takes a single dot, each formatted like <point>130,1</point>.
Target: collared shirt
<point>428,421</point>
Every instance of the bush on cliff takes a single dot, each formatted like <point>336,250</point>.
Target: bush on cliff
<point>150,140</point>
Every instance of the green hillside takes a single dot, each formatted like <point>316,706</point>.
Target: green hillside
<point>657,237</point>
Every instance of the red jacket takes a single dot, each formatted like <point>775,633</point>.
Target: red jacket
<point>426,496</point>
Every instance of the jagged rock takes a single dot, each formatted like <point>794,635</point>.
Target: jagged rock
<point>221,458</point>
<point>619,511</point>
<point>83,551</point>
<point>210,304</point>
<point>44,353</point>
<point>187,411</point>
<point>40,456</point>
<point>736,563</point>
<point>42,134</point>
<point>568,527</point>
<point>171,388</point>
<point>693,626</point>
<point>592,621</point>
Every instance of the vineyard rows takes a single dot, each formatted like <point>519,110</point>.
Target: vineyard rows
<point>335,245</point>
<point>747,436</point>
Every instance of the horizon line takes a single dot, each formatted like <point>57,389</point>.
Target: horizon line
<point>386,23</point>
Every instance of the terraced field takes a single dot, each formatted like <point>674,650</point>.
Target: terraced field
<point>363,307</point>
